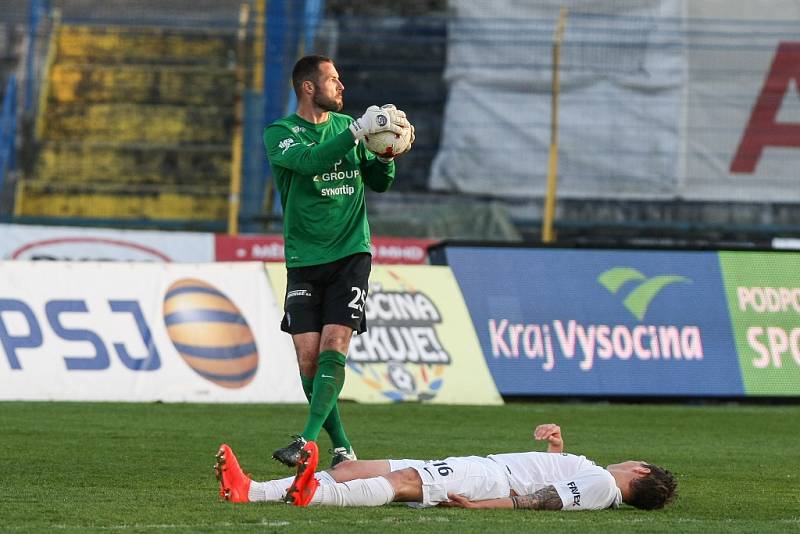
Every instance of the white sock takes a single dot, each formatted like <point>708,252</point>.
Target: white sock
<point>269,490</point>
<point>275,490</point>
<point>364,492</point>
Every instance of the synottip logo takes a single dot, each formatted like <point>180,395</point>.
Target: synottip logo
<point>639,298</point>
<point>210,333</point>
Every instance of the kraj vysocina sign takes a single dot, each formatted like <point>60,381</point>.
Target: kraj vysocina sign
<point>625,322</point>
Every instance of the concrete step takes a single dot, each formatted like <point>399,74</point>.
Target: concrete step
<point>142,45</point>
<point>185,13</point>
<point>148,84</point>
<point>208,165</point>
<point>37,199</point>
<point>138,123</point>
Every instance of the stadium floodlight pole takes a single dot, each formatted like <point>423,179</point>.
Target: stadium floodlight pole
<point>552,162</point>
<point>234,198</point>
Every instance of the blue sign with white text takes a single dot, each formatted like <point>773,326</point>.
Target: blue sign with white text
<point>600,322</point>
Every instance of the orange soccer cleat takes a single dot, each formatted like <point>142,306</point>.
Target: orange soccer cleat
<point>304,484</point>
<point>234,485</point>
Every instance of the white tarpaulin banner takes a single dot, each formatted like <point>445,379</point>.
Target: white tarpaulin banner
<point>23,242</point>
<point>660,99</point>
<point>93,331</point>
<point>619,109</point>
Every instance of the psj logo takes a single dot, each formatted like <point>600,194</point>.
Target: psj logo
<point>210,333</point>
<point>21,329</point>
<point>206,328</point>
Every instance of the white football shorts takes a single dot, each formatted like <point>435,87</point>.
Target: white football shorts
<point>475,477</point>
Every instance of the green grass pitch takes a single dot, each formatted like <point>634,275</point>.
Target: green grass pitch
<point>92,467</point>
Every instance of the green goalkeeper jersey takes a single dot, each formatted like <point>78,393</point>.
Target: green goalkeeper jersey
<point>320,172</point>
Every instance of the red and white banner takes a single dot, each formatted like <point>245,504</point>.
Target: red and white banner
<point>269,248</point>
<point>103,331</point>
<point>56,243</point>
<point>742,110</point>
<point>23,242</point>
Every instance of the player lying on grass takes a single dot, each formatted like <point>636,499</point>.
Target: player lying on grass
<point>552,480</point>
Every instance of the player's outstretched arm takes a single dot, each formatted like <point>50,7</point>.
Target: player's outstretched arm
<point>459,501</point>
<point>546,498</point>
<point>552,433</point>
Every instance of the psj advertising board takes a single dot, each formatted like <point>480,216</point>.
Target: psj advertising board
<point>602,322</point>
<point>142,332</point>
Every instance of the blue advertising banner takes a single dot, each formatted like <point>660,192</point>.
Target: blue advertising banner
<point>600,322</point>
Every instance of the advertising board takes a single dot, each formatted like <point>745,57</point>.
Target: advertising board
<point>385,250</point>
<point>53,243</point>
<point>600,322</point>
<point>419,345</point>
<point>763,291</point>
<point>110,331</point>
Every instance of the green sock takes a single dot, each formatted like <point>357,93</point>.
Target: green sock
<point>333,424</point>
<point>308,385</point>
<point>327,384</point>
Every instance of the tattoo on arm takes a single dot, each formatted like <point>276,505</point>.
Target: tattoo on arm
<point>544,499</point>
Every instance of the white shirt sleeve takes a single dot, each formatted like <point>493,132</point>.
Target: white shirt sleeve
<point>590,490</point>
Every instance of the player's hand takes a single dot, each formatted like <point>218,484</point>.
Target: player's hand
<point>457,501</point>
<point>550,432</point>
<point>398,116</point>
<point>376,120</point>
<point>411,143</point>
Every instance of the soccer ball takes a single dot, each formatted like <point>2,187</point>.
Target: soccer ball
<point>388,144</point>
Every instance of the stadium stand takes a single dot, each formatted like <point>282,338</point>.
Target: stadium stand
<point>655,101</point>
<point>11,42</point>
<point>9,50</point>
<point>136,125</point>
<point>406,66</point>
<point>397,69</point>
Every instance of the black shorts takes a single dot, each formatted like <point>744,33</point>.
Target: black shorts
<point>331,293</point>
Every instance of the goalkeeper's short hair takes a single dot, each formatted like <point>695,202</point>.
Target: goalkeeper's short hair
<point>307,70</point>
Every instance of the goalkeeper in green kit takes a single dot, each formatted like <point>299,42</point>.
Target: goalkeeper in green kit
<point>320,167</point>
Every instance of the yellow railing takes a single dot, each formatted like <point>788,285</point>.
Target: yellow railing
<point>548,235</point>
<point>236,148</point>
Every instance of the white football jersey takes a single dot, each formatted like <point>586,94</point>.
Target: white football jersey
<point>580,483</point>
